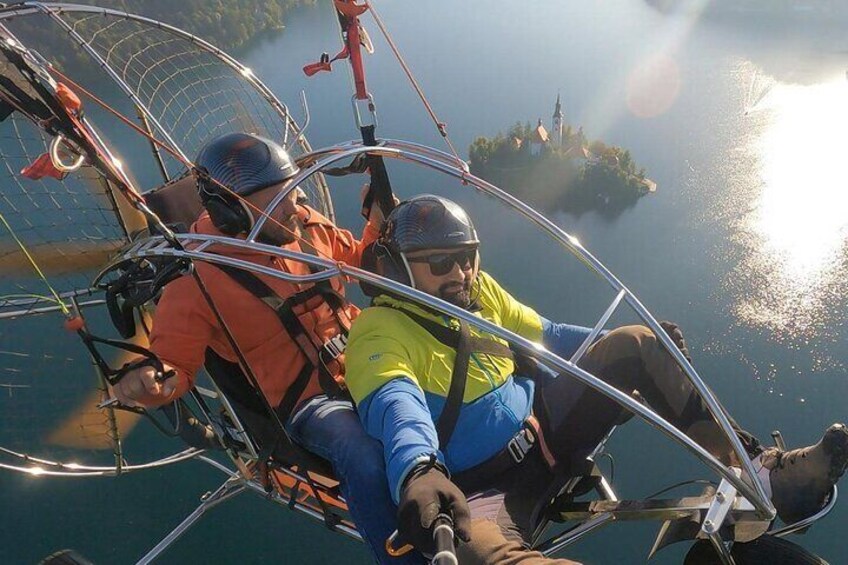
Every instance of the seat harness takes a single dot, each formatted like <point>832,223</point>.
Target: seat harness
<point>465,344</point>
<point>316,355</point>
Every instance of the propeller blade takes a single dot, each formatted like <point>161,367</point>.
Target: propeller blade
<point>89,427</point>
<point>58,258</point>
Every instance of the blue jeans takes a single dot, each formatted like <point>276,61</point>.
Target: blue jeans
<point>332,430</point>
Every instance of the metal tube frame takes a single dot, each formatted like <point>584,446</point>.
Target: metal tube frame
<point>314,163</point>
<point>442,162</point>
<point>236,484</point>
<point>196,247</point>
<point>231,488</point>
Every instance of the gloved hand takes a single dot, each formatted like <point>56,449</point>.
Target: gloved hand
<point>427,493</point>
<point>676,335</point>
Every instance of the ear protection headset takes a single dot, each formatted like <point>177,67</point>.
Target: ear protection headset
<point>391,264</point>
<point>228,213</point>
<point>388,258</point>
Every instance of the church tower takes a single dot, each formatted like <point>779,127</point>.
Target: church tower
<point>556,124</point>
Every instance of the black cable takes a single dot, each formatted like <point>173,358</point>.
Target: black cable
<point>681,484</point>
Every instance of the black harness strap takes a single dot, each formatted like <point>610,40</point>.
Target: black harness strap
<point>380,190</point>
<point>451,337</point>
<point>465,344</point>
<point>332,297</point>
<point>284,309</point>
<point>456,393</point>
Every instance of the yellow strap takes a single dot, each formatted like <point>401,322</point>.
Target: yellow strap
<point>35,267</point>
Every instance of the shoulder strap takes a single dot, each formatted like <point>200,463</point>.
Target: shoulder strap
<point>335,300</point>
<point>451,337</point>
<point>459,377</point>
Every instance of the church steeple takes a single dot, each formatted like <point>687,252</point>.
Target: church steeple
<point>556,123</point>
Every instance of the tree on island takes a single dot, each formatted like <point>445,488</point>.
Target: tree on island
<point>575,177</point>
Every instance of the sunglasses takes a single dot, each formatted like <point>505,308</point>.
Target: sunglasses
<point>442,263</point>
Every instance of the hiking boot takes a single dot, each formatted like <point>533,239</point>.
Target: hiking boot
<point>801,479</point>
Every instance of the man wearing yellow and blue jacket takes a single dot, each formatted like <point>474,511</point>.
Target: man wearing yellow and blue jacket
<point>411,370</point>
<point>500,433</point>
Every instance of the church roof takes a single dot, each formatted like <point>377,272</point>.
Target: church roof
<point>558,108</point>
<point>540,134</point>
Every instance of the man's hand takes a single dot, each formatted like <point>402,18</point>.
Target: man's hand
<point>428,493</point>
<point>676,335</point>
<point>375,214</point>
<point>139,387</point>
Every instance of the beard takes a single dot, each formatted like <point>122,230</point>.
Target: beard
<point>278,235</point>
<point>456,294</point>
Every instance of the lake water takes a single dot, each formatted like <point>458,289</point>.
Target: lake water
<point>745,243</point>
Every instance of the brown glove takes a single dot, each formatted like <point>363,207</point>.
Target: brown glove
<point>427,493</point>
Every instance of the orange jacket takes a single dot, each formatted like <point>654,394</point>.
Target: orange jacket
<point>184,325</point>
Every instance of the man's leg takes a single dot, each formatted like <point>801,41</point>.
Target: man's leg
<point>503,519</point>
<point>631,358</point>
<point>332,430</point>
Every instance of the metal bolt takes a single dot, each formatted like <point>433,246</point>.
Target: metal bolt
<point>720,496</point>
<point>708,526</point>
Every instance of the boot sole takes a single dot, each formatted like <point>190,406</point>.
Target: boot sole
<point>835,442</point>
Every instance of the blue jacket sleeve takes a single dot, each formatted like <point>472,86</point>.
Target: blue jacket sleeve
<point>397,415</point>
<point>563,339</point>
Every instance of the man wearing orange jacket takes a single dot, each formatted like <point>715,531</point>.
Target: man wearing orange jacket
<point>291,335</point>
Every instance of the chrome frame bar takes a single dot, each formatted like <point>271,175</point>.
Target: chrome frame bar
<point>231,488</point>
<point>581,530</point>
<point>309,159</point>
<point>28,305</point>
<point>721,548</point>
<point>236,484</point>
<point>593,335</point>
<point>806,522</point>
<point>195,249</point>
<point>44,467</point>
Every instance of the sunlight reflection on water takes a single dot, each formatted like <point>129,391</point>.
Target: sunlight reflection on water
<point>796,227</point>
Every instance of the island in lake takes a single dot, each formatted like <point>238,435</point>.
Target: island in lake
<point>560,170</point>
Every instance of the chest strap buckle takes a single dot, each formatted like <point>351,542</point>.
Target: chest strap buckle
<point>335,346</point>
<point>521,444</point>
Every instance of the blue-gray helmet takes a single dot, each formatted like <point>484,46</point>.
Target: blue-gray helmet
<point>243,163</point>
<point>423,222</point>
<point>428,222</point>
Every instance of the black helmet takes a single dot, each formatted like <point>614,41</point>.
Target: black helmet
<point>243,163</point>
<point>422,222</point>
<point>428,222</point>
